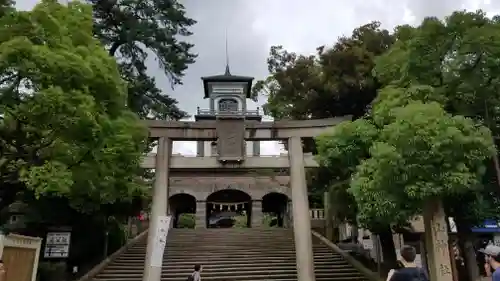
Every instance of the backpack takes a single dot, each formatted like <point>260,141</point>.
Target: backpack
<point>420,276</point>
<point>190,278</point>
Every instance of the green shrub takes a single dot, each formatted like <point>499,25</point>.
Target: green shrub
<point>240,221</point>
<point>117,235</point>
<point>268,219</point>
<point>186,221</point>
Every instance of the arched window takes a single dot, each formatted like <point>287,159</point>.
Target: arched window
<point>228,105</point>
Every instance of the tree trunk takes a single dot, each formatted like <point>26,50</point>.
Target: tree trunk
<point>467,250</point>
<point>328,216</point>
<point>387,246</point>
<point>497,166</point>
<point>496,161</point>
<point>354,233</point>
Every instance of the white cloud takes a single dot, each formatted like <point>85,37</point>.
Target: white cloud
<point>301,26</point>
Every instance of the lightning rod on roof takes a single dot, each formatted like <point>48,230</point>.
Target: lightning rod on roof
<point>227,58</point>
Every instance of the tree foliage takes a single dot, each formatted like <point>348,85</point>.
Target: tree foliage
<point>6,6</point>
<point>339,153</point>
<point>454,61</point>
<point>337,81</point>
<point>424,153</point>
<point>457,57</point>
<point>134,30</point>
<point>429,120</point>
<point>65,130</point>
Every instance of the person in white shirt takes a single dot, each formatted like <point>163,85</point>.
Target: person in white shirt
<point>196,276</point>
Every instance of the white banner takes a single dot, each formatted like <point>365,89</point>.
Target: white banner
<point>160,241</point>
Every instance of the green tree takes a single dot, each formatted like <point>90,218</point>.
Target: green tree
<point>424,153</point>
<point>134,30</point>
<point>65,130</point>
<point>456,60</point>
<point>337,81</point>
<point>405,156</point>
<point>6,6</point>
<point>340,152</point>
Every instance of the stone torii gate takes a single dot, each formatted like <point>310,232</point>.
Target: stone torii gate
<point>230,135</point>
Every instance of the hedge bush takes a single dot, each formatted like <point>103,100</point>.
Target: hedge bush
<point>186,221</point>
<point>240,221</point>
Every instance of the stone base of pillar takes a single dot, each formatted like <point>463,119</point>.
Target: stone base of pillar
<point>201,214</point>
<point>287,220</point>
<point>257,216</point>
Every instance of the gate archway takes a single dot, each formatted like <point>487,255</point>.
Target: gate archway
<point>275,205</point>
<point>228,208</point>
<point>182,204</point>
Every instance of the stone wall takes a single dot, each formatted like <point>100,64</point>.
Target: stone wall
<point>202,187</point>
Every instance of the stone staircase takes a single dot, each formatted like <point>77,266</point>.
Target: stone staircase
<point>230,254</point>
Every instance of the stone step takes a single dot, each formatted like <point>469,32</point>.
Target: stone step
<point>230,254</point>
<point>222,237</point>
<point>205,253</point>
<point>202,260</point>
<point>223,266</point>
<point>318,278</point>
<point>224,246</point>
<point>230,235</point>
<point>244,232</point>
<point>253,230</point>
<point>215,259</point>
<point>222,249</point>
<point>234,230</point>
<point>240,275</point>
<point>228,240</point>
<point>231,270</point>
<point>333,267</point>
<point>276,239</point>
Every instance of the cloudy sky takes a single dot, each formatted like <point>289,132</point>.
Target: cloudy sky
<point>253,26</point>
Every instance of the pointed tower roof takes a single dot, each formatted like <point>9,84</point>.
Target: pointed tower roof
<point>228,77</point>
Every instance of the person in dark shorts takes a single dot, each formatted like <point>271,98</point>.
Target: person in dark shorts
<point>409,270</point>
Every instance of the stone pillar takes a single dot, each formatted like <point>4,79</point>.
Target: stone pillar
<point>201,214</point>
<point>159,205</point>
<point>213,148</point>
<point>286,216</point>
<point>436,241</point>
<point>257,216</point>
<point>256,148</point>
<point>200,148</point>
<point>211,104</point>
<point>300,210</point>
